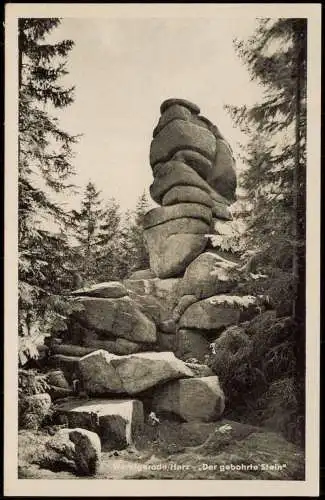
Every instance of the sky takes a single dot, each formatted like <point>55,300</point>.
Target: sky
<point>124,68</point>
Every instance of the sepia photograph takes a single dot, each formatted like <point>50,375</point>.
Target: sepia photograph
<point>162,249</point>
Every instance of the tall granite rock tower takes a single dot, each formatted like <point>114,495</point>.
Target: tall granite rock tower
<point>194,182</point>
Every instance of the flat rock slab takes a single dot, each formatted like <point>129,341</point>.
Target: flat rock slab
<point>116,421</point>
<point>196,399</point>
<point>160,215</point>
<point>118,317</point>
<point>104,373</point>
<point>108,290</point>
<point>187,194</point>
<point>119,346</point>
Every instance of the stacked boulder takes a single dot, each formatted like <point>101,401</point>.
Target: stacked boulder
<point>138,346</point>
<point>194,182</point>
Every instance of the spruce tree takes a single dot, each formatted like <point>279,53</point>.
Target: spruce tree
<point>44,167</point>
<point>97,231</point>
<point>275,157</point>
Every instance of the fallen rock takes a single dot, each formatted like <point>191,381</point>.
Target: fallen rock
<point>217,312</point>
<point>109,290</point>
<point>116,421</point>
<point>78,446</point>
<point>104,373</point>
<point>208,275</point>
<point>159,215</point>
<point>191,344</point>
<point>196,399</point>
<point>118,317</point>
<point>119,346</point>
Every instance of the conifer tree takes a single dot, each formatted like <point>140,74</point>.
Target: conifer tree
<point>44,166</point>
<point>97,230</point>
<point>275,157</point>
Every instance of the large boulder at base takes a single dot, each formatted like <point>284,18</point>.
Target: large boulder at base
<point>187,194</point>
<point>208,275</point>
<point>175,173</point>
<point>78,446</point>
<point>160,215</point>
<point>196,399</point>
<point>191,344</point>
<point>142,274</point>
<point>104,373</point>
<point>169,256</point>
<point>180,134</point>
<point>118,317</point>
<point>108,290</point>
<point>217,312</point>
<point>33,410</point>
<point>116,421</point>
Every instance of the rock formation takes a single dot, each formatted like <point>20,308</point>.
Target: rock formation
<point>121,342</point>
<point>194,182</point>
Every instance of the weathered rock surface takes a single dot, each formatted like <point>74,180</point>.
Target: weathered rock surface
<point>116,421</point>
<point>187,194</point>
<point>175,173</point>
<point>166,341</point>
<point>142,274</point>
<point>217,312</point>
<point>118,317</point>
<point>160,215</point>
<point>184,302</point>
<point>180,134</point>
<point>119,346</point>
<point>191,344</point>
<point>181,102</point>
<point>104,373</point>
<point>195,399</point>
<point>78,449</point>
<point>208,275</point>
<point>170,255</point>
<point>109,290</point>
